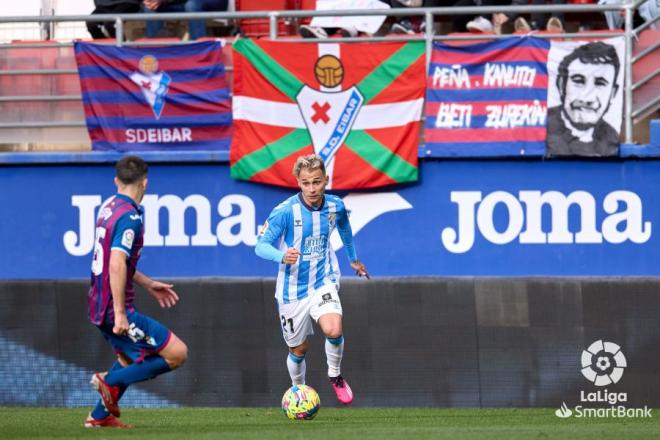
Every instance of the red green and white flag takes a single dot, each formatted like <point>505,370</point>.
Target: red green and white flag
<point>356,105</point>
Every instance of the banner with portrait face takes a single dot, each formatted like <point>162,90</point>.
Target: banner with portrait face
<point>585,97</point>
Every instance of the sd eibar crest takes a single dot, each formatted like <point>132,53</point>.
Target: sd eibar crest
<point>329,113</point>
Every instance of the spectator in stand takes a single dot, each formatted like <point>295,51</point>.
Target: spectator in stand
<point>647,10</point>
<point>403,24</point>
<point>106,29</point>
<point>479,23</point>
<point>196,28</point>
<point>347,26</point>
<point>553,23</point>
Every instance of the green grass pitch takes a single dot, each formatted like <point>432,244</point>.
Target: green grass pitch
<point>331,423</point>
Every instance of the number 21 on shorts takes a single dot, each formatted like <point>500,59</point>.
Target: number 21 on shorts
<point>285,322</point>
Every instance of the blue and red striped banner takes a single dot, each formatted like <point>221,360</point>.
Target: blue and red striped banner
<point>155,98</point>
<point>487,99</point>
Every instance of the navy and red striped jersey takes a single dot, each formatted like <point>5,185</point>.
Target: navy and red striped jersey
<point>119,226</point>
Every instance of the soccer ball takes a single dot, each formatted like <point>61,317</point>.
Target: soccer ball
<point>301,402</point>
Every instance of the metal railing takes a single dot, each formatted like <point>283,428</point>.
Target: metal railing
<point>428,14</point>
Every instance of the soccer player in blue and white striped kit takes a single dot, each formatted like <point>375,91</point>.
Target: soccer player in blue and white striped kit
<point>297,236</point>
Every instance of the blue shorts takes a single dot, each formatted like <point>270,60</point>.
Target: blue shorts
<point>145,337</point>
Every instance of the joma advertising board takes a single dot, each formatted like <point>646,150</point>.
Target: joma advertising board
<point>463,218</point>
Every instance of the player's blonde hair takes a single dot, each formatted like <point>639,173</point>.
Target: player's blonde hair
<point>310,162</point>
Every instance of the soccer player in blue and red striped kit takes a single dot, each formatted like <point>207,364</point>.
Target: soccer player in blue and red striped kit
<point>145,348</point>
<point>297,236</point>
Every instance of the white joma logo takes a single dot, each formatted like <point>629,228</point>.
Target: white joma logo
<point>236,225</point>
<point>366,207</point>
<point>524,218</point>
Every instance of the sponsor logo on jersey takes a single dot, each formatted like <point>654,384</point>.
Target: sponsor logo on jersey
<point>127,238</point>
<point>315,246</point>
<point>264,228</point>
<point>106,213</point>
<point>332,219</point>
<point>326,298</point>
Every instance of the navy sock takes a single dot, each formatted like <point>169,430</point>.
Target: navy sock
<point>99,412</point>
<point>151,367</point>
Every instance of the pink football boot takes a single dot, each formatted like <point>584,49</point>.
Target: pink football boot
<point>342,389</point>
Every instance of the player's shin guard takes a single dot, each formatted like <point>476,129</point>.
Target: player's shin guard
<point>334,350</point>
<point>149,368</point>
<point>297,367</point>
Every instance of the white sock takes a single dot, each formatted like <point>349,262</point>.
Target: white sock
<point>296,366</point>
<point>334,350</point>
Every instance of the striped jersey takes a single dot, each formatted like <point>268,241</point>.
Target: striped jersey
<point>118,227</point>
<point>293,223</point>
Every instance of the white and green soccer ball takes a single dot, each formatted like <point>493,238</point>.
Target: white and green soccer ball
<point>301,402</point>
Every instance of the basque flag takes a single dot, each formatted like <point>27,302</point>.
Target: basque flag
<point>488,99</point>
<point>155,98</point>
<point>356,105</point>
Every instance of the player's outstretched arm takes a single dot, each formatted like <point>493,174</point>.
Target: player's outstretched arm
<point>268,252</point>
<point>346,235</point>
<point>360,269</point>
<point>270,234</point>
<point>161,292</point>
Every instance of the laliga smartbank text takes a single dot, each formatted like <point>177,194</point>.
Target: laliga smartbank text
<point>615,406</point>
<point>615,410</point>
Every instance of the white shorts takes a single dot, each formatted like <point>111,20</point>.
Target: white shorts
<point>296,317</point>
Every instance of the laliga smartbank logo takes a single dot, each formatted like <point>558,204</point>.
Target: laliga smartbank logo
<point>563,411</point>
<point>603,364</point>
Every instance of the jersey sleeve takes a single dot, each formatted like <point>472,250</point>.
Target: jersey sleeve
<point>345,231</point>
<point>125,232</point>
<point>270,235</point>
